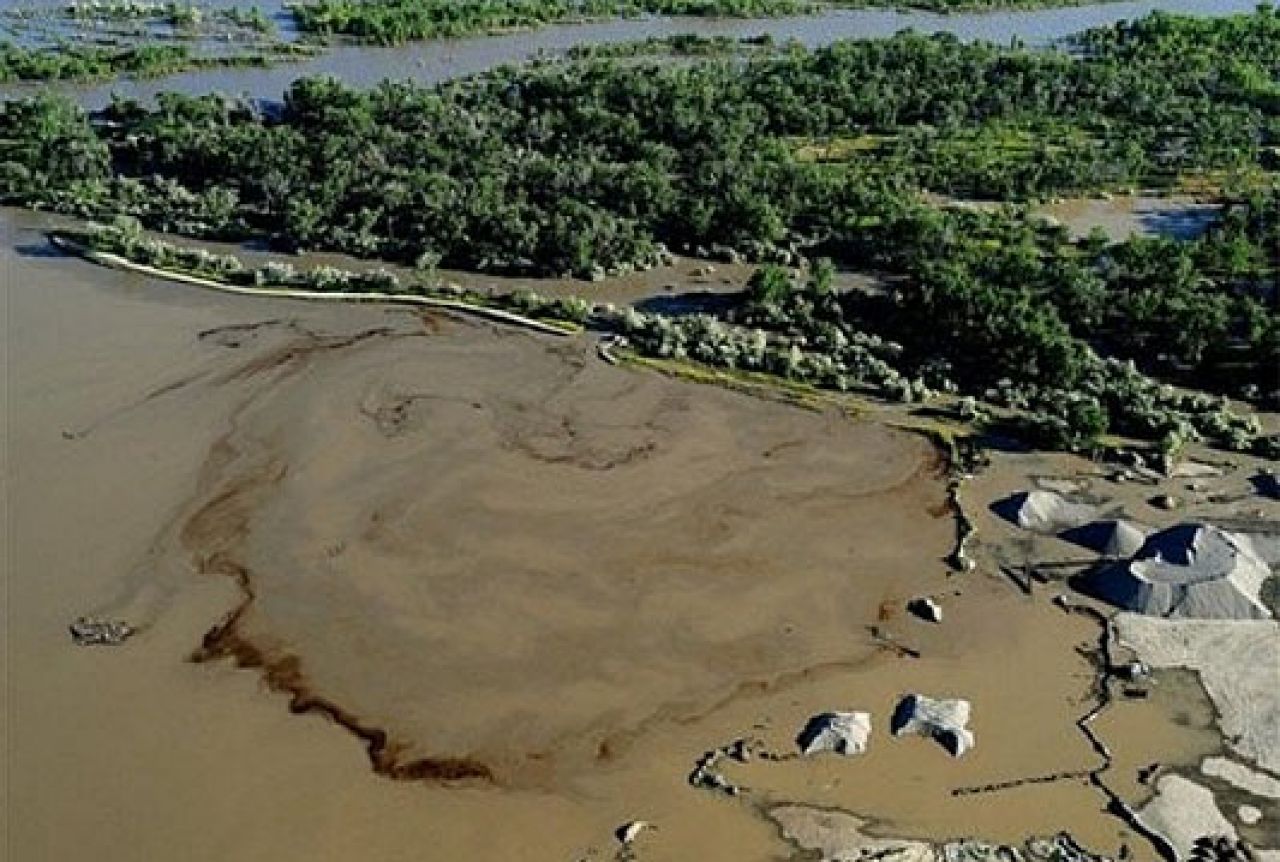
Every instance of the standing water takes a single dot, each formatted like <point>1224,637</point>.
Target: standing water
<point>440,60</point>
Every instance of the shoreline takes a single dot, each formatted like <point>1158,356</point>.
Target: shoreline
<point>494,315</point>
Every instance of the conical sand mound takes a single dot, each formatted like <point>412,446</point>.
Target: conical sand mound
<point>1193,571</point>
<point>1043,511</point>
<point>1110,538</point>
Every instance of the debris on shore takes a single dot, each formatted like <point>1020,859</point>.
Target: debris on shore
<point>844,733</point>
<point>943,720</point>
<point>926,609</point>
<point>86,631</point>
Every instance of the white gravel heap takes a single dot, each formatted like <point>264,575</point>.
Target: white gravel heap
<point>1194,571</point>
<point>840,732</point>
<point>943,720</point>
<point>1045,511</point>
<point>1117,539</point>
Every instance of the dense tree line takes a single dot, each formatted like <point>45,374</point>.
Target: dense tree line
<point>395,21</point>
<point>389,22</point>
<point>142,60</point>
<point>596,164</point>
<point>564,166</point>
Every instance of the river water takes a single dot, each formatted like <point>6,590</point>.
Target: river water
<point>440,60</point>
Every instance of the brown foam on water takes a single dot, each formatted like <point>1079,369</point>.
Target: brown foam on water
<point>493,548</point>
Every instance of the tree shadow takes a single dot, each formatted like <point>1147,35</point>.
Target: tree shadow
<point>1266,484</point>
<point>1183,223</point>
<point>694,302</point>
<point>43,249</point>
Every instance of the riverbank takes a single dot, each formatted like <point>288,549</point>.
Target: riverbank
<point>473,306</point>
<point>457,58</point>
<point>495,549</point>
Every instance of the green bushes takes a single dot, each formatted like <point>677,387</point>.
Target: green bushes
<point>124,237</point>
<point>599,166</point>
<point>595,164</point>
<point>389,22</point>
<point>46,147</point>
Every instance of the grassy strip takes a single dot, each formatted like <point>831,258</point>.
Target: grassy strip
<point>748,382</point>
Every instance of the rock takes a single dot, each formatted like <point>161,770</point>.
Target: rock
<point>91,632</point>
<point>1168,502</point>
<point>629,832</point>
<point>1220,848</point>
<point>1061,848</point>
<point>926,609</point>
<point>1132,671</point>
<point>1249,815</point>
<point>704,774</point>
<point>1267,484</point>
<point>974,850</point>
<point>1194,470</point>
<point>841,732</point>
<point>943,720</point>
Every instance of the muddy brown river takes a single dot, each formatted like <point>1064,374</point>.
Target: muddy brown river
<point>415,587</point>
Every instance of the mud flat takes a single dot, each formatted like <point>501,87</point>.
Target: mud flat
<point>542,555</point>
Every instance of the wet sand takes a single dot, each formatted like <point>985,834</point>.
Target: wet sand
<point>554,581</point>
